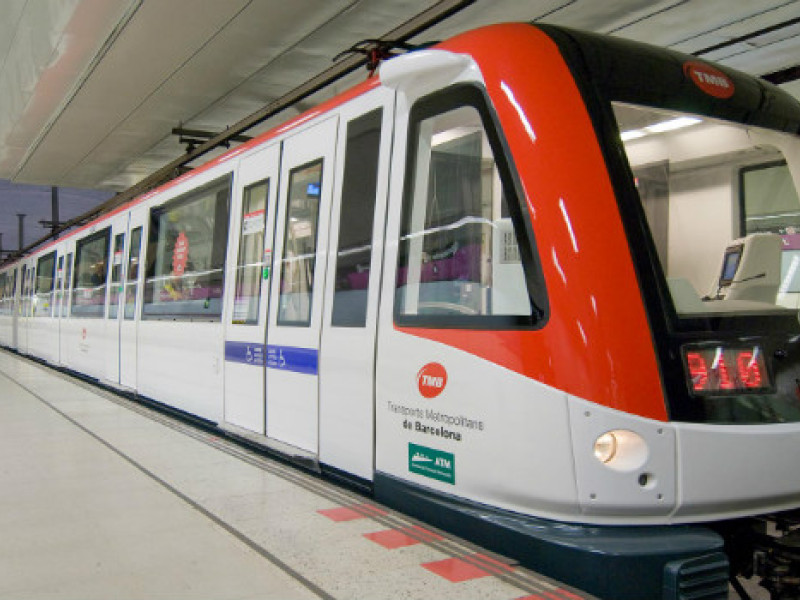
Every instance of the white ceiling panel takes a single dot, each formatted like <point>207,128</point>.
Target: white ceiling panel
<point>91,89</point>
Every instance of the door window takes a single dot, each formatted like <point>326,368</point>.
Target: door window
<point>132,283</point>
<point>251,264</point>
<point>300,245</point>
<point>67,283</point>
<point>116,276</point>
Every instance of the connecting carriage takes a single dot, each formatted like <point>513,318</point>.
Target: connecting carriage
<point>529,277</point>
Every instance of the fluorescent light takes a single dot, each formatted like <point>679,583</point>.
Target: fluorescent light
<point>672,124</point>
<point>632,134</point>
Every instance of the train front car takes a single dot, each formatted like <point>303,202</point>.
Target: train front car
<point>595,317</point>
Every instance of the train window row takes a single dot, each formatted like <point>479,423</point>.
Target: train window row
<point>459,263</point>
<point>8,287</point>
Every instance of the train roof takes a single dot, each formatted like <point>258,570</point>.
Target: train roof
<point>613,68</point>
<point>639,73</point>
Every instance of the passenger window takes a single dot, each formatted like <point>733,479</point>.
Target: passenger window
<point>251,254</point>
<point>354,254</point>
<point>300,245</point>
<point>89,288</point>
<point>132,283</point>
<point>43,294</point>
<point>116,276</point>
<point>460,260</point>
<point>5,282</point>
<point>186,255</point>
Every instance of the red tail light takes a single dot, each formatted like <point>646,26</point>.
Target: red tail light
<point>724,370</point>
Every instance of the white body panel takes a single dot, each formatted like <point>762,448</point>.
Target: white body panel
<point>508,436</point>
<point>721,470</point>
<point>43,337</point>
<point>180,364</point>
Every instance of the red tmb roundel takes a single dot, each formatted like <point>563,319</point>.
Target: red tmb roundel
<point>431,380</point>
<point>712,81</point>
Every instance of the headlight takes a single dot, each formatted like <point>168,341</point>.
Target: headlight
<point>605,447</point>
<point>621,450</point>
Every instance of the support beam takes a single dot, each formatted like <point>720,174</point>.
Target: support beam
<point>21,232</point>
<point>54,209</point>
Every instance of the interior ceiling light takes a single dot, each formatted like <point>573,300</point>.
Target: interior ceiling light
<point>672,124</point>
<point>663,126</point>
<point>632,134</point>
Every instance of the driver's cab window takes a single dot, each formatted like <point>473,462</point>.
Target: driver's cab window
<point>460,257</point>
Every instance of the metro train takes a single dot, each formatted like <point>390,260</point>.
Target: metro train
<point>532,285</point>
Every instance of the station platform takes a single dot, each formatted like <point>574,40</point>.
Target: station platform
<point>104,497</point>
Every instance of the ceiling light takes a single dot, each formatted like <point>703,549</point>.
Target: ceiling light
<point>672,124</point>
<point>632,134</point>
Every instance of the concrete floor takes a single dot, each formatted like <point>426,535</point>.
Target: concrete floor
<point>103,498</point>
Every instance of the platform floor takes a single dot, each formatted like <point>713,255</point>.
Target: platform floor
<point>101,497</point>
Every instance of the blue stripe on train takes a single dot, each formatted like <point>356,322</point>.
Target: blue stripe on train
<point>287,358</point>
<point>284,358</point>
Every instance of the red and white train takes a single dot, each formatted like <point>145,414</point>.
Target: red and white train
<point>534,285</point>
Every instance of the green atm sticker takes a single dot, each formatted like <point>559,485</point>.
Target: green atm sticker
<point>432,463</point>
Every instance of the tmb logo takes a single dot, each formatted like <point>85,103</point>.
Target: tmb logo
<point>712,81</point>
<point>431,380</point>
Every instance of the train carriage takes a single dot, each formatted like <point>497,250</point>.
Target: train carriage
<point>534,285</point>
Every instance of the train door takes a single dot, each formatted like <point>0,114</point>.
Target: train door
<point>66,302</point>
<point>26,278</point>
<point>15,273</point>
<point>130,302</point>
<point>116,273</point>
<point>347,352</point>
<point>58,300</point>
<point>253,211</point>
<point>295,312</point>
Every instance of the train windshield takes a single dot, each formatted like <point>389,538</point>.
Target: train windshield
<point>722,204</point>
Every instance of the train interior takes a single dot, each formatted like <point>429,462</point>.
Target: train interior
<point>722,204</point>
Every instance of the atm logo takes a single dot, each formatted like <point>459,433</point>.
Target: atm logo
<point>431,380</point>
<point>712,81</point>
<point>433,463</point>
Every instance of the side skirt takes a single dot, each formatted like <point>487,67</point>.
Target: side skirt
<point>623,563</point>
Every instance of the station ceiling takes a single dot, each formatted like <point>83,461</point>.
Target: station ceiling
<point>90,90</point>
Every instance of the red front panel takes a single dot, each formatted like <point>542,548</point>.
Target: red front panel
<point>596,344</point>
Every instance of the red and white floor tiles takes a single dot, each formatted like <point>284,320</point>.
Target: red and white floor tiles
<point>101,497</point>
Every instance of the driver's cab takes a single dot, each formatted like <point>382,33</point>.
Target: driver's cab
<point>751,270</point>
